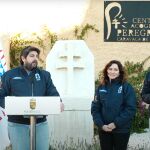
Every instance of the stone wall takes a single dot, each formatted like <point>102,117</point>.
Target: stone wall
<point>106,51</point>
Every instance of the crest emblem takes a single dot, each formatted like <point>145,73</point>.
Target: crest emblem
<point>32,103</point>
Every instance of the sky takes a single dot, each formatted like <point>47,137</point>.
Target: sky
<point>30,15</point>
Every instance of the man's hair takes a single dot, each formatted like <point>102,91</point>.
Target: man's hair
<point>26,51</point>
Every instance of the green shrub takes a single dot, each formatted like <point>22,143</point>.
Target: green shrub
<point>136,75</point>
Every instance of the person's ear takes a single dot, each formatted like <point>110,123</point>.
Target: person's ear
<point>23,58</point>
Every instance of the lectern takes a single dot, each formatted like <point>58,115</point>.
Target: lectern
<point>32,107</point>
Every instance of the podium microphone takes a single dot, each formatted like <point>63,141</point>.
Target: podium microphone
<point>32,81</point>
<point>32,122</point>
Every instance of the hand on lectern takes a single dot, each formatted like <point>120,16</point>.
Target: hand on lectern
<point>61,107</point>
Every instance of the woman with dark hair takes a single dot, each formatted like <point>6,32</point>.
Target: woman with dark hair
<point>114,108</point>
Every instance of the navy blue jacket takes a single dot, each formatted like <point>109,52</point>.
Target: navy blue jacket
<point>146,89</point>
<point>17,82</point>
<point>114,102</point>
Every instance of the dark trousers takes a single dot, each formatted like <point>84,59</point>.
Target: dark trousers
<point>113,141</point>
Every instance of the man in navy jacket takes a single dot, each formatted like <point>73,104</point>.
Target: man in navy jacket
<point>27,80</point>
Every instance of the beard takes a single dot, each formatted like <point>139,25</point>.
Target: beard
<point>31,66</point>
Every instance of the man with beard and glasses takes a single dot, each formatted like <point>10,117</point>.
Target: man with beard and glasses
<point>27,80</point>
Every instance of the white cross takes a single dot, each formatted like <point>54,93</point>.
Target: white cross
<point>70,60</point>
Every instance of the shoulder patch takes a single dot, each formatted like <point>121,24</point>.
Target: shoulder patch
<point>17,78</point>
<point>103,90</point>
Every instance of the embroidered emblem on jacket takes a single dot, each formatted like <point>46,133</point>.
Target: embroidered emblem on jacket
<point>37,76</point>
<point>120,89</point>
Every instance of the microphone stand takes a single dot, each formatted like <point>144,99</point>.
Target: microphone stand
<point>32,129</point>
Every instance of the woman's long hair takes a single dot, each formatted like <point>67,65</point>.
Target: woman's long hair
<point>122,75</point>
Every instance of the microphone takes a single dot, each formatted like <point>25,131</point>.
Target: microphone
<point>31,78</point>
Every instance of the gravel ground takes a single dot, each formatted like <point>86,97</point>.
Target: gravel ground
<point>136,142</point>
<point>139,141</point>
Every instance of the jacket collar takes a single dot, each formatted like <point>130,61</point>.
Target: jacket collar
<point>114,81</point>
<point>24,72</point>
